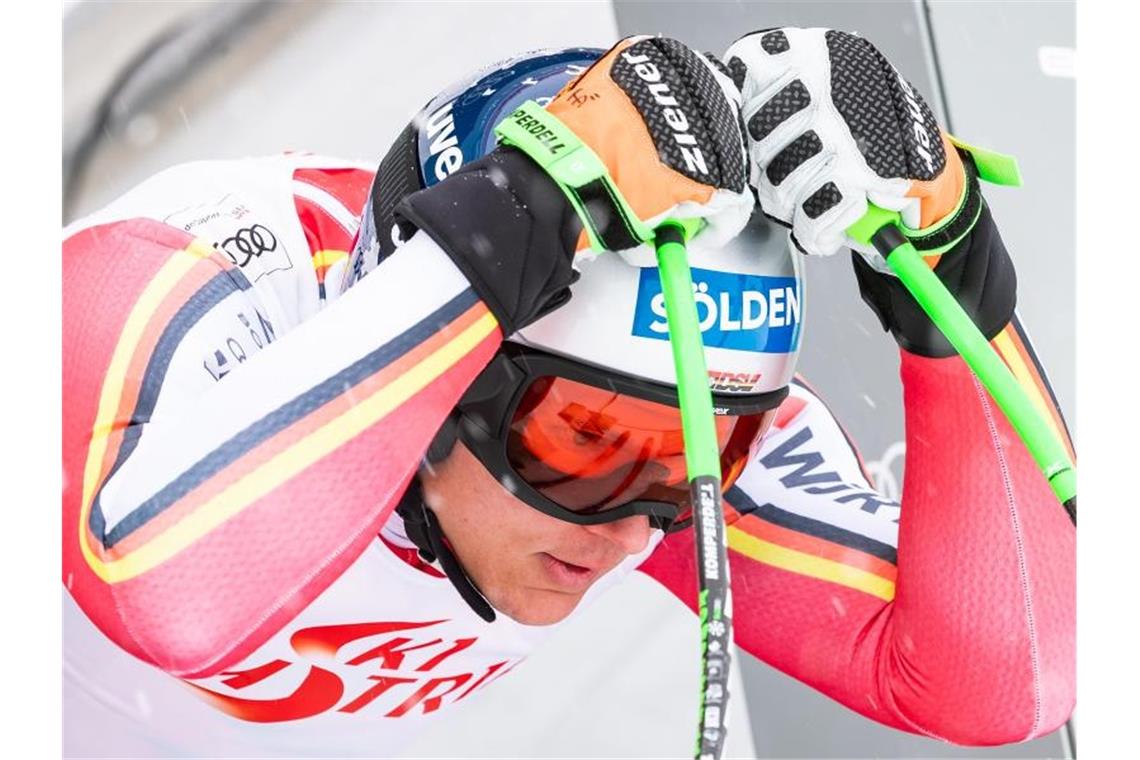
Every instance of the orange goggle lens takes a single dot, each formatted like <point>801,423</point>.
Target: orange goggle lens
<point>591,449</point>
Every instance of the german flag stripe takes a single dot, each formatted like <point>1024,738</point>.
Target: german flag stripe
<point>1025,346</point>
<point>227,465</point>
<point>217,288</point>
<point>340,385</point>
<point>775,555</point>
<point>324,259</point>
<point>808,526</point>
<point>1012,351</point>
<point>757,527</point>
<point>270,471</point>
<point>163,294</point>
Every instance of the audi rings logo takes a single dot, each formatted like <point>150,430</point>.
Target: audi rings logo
<point>248,243</point>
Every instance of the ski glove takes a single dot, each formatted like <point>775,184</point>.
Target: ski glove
<point>665,121</point>
<point>832,126</point>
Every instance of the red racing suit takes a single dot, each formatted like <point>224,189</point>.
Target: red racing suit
<point>239,424</point>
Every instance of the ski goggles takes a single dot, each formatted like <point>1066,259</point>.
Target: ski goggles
<point>591,447</point>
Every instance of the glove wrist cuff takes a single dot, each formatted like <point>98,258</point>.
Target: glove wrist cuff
<point>977,272</point>
<point>507,228</point>
<point>952,228</point>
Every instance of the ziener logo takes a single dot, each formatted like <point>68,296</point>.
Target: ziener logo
<point>675,117</point>
<point>921,134</point>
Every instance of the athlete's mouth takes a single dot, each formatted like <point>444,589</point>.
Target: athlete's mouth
<point>567,575</point>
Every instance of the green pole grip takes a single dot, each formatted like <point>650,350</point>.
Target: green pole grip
<point>879,228</point>
<point>702,453</point>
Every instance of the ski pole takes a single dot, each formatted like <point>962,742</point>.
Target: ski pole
<point>572,167</point>
<point>879,227</point>
<point>702,463</point>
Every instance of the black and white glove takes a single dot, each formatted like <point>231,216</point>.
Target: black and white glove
<point>832,126</point>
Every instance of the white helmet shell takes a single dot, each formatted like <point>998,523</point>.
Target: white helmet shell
<point>749,292</point>
<point>750,302</point>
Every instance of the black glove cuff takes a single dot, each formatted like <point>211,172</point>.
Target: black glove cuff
<point>508,228</point>
<point>977,272</point>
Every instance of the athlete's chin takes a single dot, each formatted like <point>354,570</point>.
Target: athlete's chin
<point>541,606</point>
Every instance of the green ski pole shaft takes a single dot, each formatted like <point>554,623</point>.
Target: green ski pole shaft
<point>702,461</point>
<point>879,228</point>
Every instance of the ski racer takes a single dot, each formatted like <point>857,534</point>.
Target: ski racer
<point>341,448</point>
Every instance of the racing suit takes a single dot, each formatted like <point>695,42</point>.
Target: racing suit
<point>241,416</point>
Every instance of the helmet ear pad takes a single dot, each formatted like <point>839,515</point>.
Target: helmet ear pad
<point>396,178</point>
<point>442,445</point>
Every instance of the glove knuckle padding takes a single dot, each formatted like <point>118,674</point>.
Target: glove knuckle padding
<point>685,109</point>
<point>787,102</point>
<point>891,124</point>
<point>738,72</point>
<point>822,200</point>
<point>794,154</point>
<point>830,125</point>
<point>775,42</point>
<point>785,74</point>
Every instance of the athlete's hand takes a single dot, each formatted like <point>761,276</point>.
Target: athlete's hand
<point>665,122</point>
<point>832,126</point>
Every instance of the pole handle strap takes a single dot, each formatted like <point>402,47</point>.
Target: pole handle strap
<point>610,222</point>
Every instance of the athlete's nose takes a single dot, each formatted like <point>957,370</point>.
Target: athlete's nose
<point>630,533</point>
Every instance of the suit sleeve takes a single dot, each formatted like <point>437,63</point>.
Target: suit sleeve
<point>200,514</point>
<point>951,614</point>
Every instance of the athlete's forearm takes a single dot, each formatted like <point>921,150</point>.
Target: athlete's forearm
<point>985,609</point>
<point>986,593</point>
<point>178,510</point>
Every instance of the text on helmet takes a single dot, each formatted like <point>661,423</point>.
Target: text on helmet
<point>737,311</point>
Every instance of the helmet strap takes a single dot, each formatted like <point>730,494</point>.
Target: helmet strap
<point>425,532</point>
